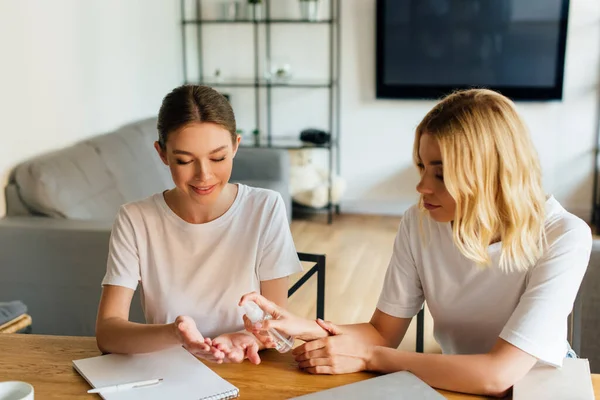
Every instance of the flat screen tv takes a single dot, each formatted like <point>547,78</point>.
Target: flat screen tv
<point>428,48</point>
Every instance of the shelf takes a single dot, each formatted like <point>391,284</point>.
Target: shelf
<point>258,21</point>
<point>250,83</point>
<point>288,143</point>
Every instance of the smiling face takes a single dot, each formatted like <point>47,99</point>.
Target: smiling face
<point>200,157</point>
<point>435,196</point>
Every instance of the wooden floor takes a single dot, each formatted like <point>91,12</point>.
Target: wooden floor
<point>358,250</point>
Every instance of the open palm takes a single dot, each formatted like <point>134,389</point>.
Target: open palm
<point>237,347</point>
<point>193,341</point>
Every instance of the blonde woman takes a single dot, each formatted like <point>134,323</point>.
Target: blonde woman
<point>498,262</point>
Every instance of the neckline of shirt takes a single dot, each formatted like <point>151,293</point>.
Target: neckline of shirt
<point>227,215</point>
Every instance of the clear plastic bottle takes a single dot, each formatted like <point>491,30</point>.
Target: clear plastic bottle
<point>283,343</point>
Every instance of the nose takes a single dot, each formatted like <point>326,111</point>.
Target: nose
<point>424,186</point>
<point>203,171</point>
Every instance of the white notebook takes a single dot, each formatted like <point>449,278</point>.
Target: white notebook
<point>573,381</point>
<point>183,376</point>
<point>396,386</point>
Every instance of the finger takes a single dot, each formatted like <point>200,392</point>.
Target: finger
<point>189,333</point>
<point>330,327</point>
<point>223,347</point>
<point>196,347</point>
<point>208,341</point>
<point>265,305</point>
<point>315,362</point>
<point>320,353</point>
<point>236,356</point>
<point>217,353</point>
<point>320,370</point>
<point>206,353</point>
<point>269,343</point>
<point>206,356</point>
<point>248,325</point>
<point>252,354</point>
<point>310,346</point>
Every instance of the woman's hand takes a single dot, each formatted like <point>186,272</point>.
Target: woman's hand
<point>237,347</point>
<point>337,354</point>
<point>193,341</point>
<point>284,321</point>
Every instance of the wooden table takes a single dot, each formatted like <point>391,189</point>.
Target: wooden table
<point>45,362</point>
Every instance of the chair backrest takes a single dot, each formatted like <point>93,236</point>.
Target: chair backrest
<point>584,321</point>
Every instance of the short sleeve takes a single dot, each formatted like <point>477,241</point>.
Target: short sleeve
<point>402,293</point>
<point>538,325</point>
<point>278,256</point>
<point>123,265</point>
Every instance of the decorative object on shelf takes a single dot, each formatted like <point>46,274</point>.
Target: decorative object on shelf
<point>256,135</point>
<point>233,10</point>
<point>309,10</point>
<point>218,76</point>
<point>255,9</point>
<point>315,136</point>
<point>309,183</point>
<point>279,71</point>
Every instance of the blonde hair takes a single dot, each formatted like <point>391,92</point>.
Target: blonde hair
<point>492,171</point>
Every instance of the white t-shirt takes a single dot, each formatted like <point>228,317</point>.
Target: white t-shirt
<point>472,306</point>
<point>201,270</point>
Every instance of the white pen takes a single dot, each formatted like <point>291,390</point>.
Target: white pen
<point>125,386</point>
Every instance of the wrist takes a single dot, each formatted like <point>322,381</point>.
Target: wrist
<point>371,356</point>
<point>172,333</point>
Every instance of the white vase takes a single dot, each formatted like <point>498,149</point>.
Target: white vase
<point>309,10</point>
<point>255,11</point>
<point>232,10</point>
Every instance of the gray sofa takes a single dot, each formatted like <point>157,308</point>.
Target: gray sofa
<point>60,208</point>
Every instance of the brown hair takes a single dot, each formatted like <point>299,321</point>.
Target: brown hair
<point>193,103</point>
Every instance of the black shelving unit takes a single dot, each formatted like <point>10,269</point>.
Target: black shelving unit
<point>596,184</point>
<point>331,83</point>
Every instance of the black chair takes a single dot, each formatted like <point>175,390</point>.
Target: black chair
<point>420,330</point>
<point>319,269</point>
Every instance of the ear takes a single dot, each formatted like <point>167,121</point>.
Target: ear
<point>236,144</point>
<point>161,153</point>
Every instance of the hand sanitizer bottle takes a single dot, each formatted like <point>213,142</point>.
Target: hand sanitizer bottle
<point>283,343</point>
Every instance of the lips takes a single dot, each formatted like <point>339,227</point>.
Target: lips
<point>430,207</point>
<point>203,190</point>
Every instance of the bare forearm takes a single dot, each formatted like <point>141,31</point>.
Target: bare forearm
<point>115,335</point>
<point>364,332</point>
<point>475,374</point>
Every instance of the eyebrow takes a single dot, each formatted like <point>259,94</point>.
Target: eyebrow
<point>435,162</point>
<point>187,153</point>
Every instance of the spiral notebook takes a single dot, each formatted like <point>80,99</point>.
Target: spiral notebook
<point>183,376</point>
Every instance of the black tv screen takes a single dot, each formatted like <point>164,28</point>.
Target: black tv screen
<point>428,48</point>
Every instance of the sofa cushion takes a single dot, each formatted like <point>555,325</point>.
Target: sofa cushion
<point>91,179</point>
<point>132,162</point>
<point>70,183</point>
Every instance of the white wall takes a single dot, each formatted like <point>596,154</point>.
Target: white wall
<point>377,135</point>
<point>71,69</point>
